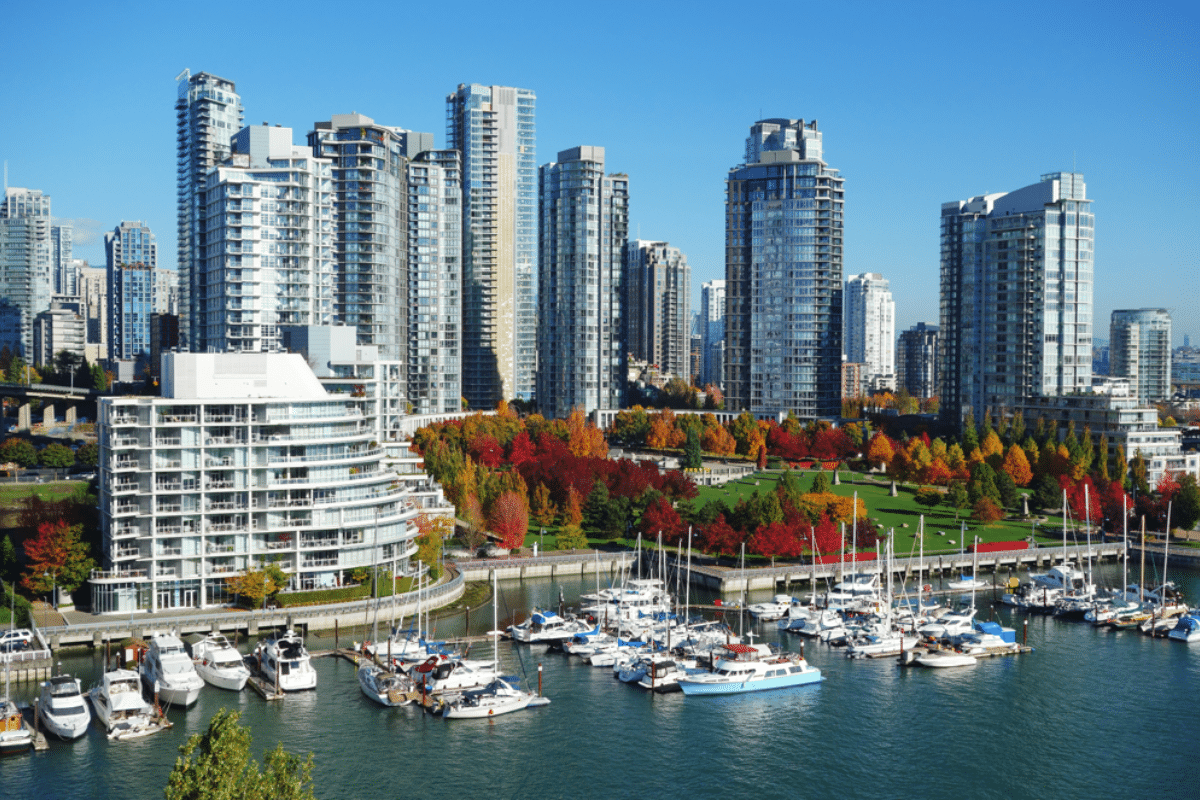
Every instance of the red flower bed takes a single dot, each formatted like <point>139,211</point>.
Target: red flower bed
<point>848,557</point>
<point>996,547</point>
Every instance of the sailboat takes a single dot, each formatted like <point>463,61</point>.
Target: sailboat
<point>15,735</point>
<point>499,696</point>
<point>965,582</point>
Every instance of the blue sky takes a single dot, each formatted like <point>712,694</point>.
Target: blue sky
<point>919,103</point>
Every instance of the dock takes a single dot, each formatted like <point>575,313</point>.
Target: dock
<point>39,739</point>
<point>265,691</point>
<point>907,658</point>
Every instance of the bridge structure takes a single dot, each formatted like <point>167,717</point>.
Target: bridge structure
<point>69,398</point>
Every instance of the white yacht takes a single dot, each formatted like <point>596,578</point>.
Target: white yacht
<point>641,597</point>
<point>1187,629</point>
<point>770,611</point>
<point>121,709</point>
<point>62,709</point>
<point>284,662</point>
<point>498,697</point>
<point>945,658</point>
<point>952,623</point>
<point>748,668</point>
<point>218,662</point>
<point>547,627</point>
<point>856,592</point>
<point>441,675</point>
<point>167,670</point>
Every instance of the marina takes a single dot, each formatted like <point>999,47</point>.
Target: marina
<point>1114,682</point>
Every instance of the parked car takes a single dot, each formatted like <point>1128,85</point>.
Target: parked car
<point>15,646</point>
<point>19,635</point>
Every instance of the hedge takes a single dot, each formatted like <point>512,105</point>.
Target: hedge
<point>320,596</point>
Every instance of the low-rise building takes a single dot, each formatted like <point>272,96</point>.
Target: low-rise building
<point>245,459</point>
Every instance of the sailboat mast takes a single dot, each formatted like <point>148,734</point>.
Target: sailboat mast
<point>1125,548</point>
<point>1142,577</point>
<point>1162,592</point>
<point>687,589</point>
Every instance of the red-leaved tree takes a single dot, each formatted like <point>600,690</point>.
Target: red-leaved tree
<point>720,537</point>
<point>661,517</point>
<point>510,520</point>
<point>776,539</point>
<point>828,537</point>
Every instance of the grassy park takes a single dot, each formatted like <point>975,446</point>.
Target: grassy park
<point>891,512</point>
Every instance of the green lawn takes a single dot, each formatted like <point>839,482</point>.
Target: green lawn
<point>891,512</point>
<point>13,493</point>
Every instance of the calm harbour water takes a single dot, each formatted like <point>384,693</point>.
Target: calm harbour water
<point>1090,714</point>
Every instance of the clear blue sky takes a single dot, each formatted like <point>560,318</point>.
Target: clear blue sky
<point>919,103</point>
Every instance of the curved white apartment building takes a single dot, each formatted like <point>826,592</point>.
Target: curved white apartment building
<point>245,459</point>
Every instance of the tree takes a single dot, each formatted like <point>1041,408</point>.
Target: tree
<point>1046,493</point>
<point>719,537</point>
<point>1008,490</point>
<point>584,438</point>
<point>431,539</point>
<point>880,450</point>
<point>762,457</point>
<point>57,456</point>
<point>1016,466</point>
<point>661,517</point>
<point>57,556</point>
<point>100,379</point>
<point>821,484</point>
<point>986,512</point>
<point>571,537</point>
<point>510,520</point>
<point>88,455</point>
<point>218,766</point>
<point>1138,472</point>
<point>521,449</point>
<point>928,496</point>
<point>691,450</point>
<point>573,510</point>
<point>8,560</point>
<point>1186,511</point>
<point>542,508</point>
<point>828,537</point>
<point>983,483</point>
<point>958,497</point>
<point>258,584</point>
<point>19,451</point>
<point>718,441</point>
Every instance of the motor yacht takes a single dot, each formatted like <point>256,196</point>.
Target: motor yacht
<point>284,662</point>
<point>219,663</point>
<point>169,673</point>
<point>62,708</point>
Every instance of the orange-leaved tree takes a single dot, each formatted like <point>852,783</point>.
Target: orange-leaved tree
<point>57,556</point>
<point>1016,464</point>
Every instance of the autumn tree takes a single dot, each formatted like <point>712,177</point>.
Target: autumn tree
<point>992,450</point>
<point>986,512</point>
<point>719,537</point>
<point>1016,465</point>
<point>762,457</point>
<point>663,432</point>
<point>746,434</point>
<point>18,451</point>
<point>219,765</point>
<point>472,515</point>
<point>541,507</point>
<point>828,536</point>
<point>718,442</point>
<point>256,585</point>
<point>928,497</point>
<point>661,517</point>
<point>584,438</point>
<point>571,537</point>
<point>573,510</point>
<point>57,556</point>
<point>510,520</point>
<point>433,531</point>
<point>880,451</point>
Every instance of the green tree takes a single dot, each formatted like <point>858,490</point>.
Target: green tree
<point>958,497</point>
<point>57,456</point>
<point>99,378</point>
<point>8,560</point>
<point>257,585</point>
<point>571,537</point>
<point>691,449</point>
<point>1139,473</point>
<point>1046,493</point>
<point>218,765</point>
<point>983,484</point>
<point>88,455</point>
<point>1186,512</point>
<point>1008,490</point>
<point>19,451</point>
<point>821,483</point>
<point>928,496</point>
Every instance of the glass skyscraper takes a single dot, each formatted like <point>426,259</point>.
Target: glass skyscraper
<point>1016,296</point>
<point>208,112</point>
<point>711,327</point>
<point>26,267</point>
<point>132,255</point>
<point>656,313</point>
<point>494,129</point>
<point>783,275</point>
<point>435,282</point>
<point>584,227</point>
<point>870,329</point>
<point>268,261</point>
<point>1140,349</point>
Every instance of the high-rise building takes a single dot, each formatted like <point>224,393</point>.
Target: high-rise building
<point>435,282</point>
<point>657,292</point>
<point>370,228</point>
<point>57,330</point>
<point>268,260</point>
<point>494,129</point>
<point>208,112</point>
<point>61,263</point>
<point>166,291</point>
<point>131,251</point>
<point>93,301</point>
<point>1140,350</point>
<point>869,327</point>
<point>712,333</point>
<point>1016,296</point>
<point>783,275</point>
<point>917,361</point>
<point>26,266</point>
<point>584,228</point>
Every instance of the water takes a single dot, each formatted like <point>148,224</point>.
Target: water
<point>1090,714</point>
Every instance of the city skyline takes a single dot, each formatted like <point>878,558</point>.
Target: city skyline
<point>893,131</point>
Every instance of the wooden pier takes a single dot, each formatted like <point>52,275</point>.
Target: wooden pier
<point>265,690</point>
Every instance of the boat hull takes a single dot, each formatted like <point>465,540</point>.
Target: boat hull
<point>224,679</point>
<point>702,685</point>
<point>67,728</point>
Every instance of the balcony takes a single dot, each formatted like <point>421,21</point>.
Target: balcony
<point>176,419</point>
<point>126,441</point>
<point>164,441</point>
<point>221,527</point>
<point>320,562</point>
<point>126,508</point>
<point>222,569</point>
<point>116,574</point>
<point>126,531</point>
<point>218,484</point>
<point>128,552</point>
<point>169,508</point>
<point>225,505</point>
<point>325,543</point>
<point>165,552</point>
<point>123,419</point>
<point>220,548</point>
<point>125,486</point>
<point>126,463</point>
<point>168,530</point>
<point>165,572</point>
<point>279,545</point>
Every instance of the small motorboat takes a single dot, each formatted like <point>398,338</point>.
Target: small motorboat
<point>1187,629</point>
<point>776,608</point>
<point>940,659</point>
